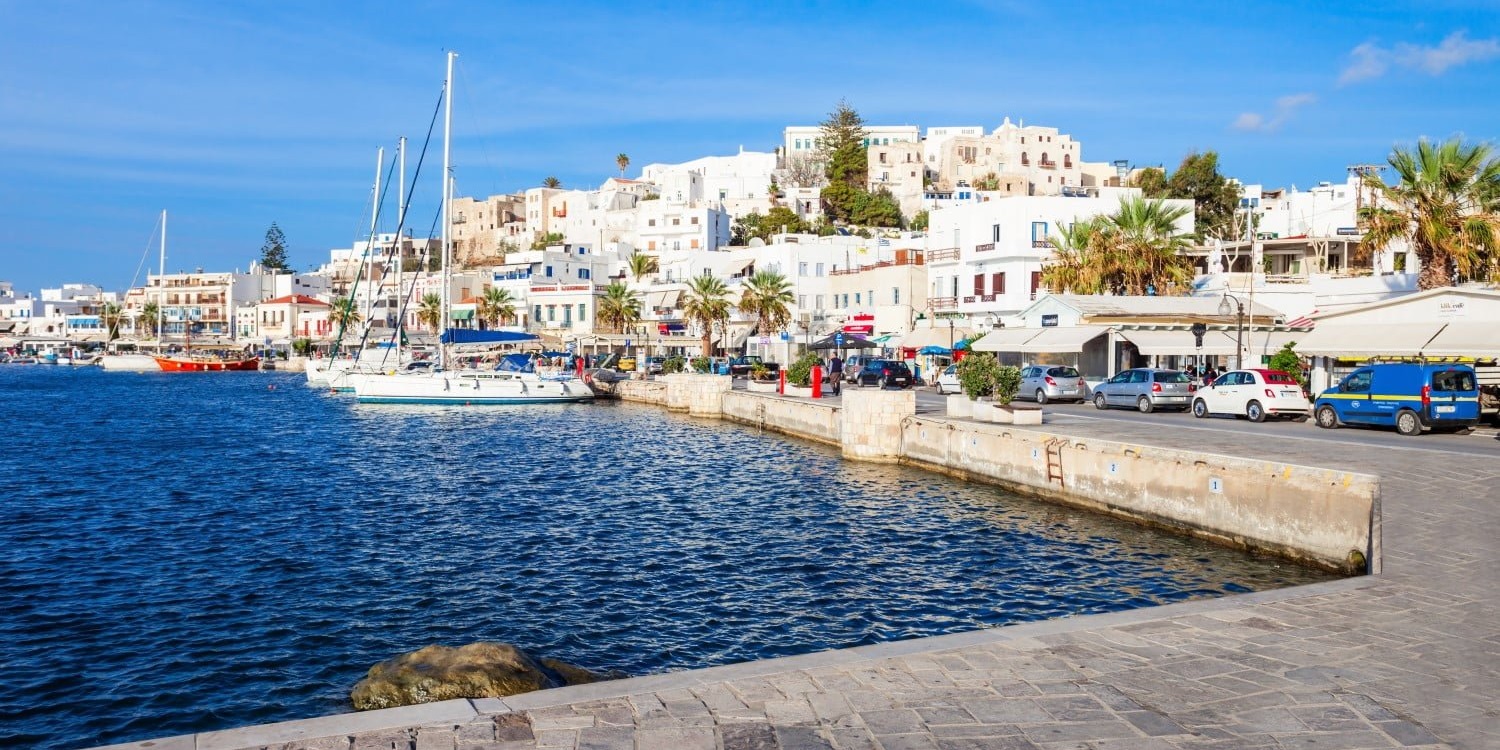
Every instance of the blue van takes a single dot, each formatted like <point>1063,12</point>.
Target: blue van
<point>1410,397</point>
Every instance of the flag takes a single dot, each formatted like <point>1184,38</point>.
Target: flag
<point>884,242</point>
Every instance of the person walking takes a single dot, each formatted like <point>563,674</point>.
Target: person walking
<point>836,373</point>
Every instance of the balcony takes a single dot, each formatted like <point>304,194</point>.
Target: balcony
<point>970,300</point>
<point>943,303</point>
<point>987,247</point>
<point>1047,164</point>
<point>947,254</point>
<point>986,298</point>
<point>1041,243</point>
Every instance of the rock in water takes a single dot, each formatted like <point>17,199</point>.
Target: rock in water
<point>477,670</point>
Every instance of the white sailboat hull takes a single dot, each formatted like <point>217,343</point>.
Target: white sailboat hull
<point>129,363</point>
<point>468,388</point>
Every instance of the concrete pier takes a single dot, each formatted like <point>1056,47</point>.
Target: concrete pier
<point>1408,657</point>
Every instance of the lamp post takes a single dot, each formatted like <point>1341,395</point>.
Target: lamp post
<point>1239,327</point>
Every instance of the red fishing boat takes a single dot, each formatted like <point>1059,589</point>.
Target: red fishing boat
<point>205,364</point>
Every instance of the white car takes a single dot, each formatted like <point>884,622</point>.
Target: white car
<point>947,380</point>
<point>1253,394</point>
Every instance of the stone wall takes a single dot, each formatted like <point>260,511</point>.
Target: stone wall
<point>871,424</point>
<point>698,395</point>
<point>643,391</point>
<point>812,420</point>
<point>1325,517</point>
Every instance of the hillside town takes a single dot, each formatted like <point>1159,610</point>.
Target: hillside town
<point>975,224</point>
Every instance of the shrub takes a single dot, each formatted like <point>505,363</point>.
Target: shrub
<point>759,371</point>
<point>1007,384</point>
<point>1289,362</point>
<point>673,365</point>
<point>701,364</point>
<point>801,370</point>
<point>302,346</point>
<point>977,374</point>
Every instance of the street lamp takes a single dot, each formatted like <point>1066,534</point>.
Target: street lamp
<point>1239,326</point>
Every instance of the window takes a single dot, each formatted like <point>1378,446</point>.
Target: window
<point>1036,282</point>
<point>1453,380</point>
<point>995,234</point>
<point>857,299</point>
<point>581,316</point>
<point>583,273</point>
<point>695,220</point>
<point>651,245</point>
<point>997,283</point>
<point>651,222</point>
<point>549,272</point>
<point>978,284</point>
<point>676,221</point>
<point>802,269</point>
<point>567,315</point>
<point>801,300</point>
<point>818,302</point>
<point>820,269</point>
<point>551,312</point>
<point>1138,376</point>
<point>1358,382</point>
<point>694,243</point>
<point>1038,234</point>
<point>895,295</point>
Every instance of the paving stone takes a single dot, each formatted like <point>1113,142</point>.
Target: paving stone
<point>687,738</point>
<point>1407,733</point>
<point>606,738</point>
<point>748,736</point>
<point>1007,711</point>
<point>801,738</point>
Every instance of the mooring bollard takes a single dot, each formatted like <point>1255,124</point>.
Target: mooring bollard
<point>781,382</point>
<point>817,382</point>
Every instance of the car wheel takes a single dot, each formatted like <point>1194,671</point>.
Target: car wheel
<point>1200,409</point>
<point>1326,417</point>
<point>1041,396</point>
<point>1255,412</point>
<point>1099,402</point>
<point>1407,422</point>
<point>1300,418</point>
<point>1143,404</point>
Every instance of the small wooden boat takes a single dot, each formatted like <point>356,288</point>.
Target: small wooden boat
<point>205,364</point>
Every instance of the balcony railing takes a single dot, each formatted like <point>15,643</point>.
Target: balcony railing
<point>1047,164</point>
<point>987,298</point>
<point>985,248</point>
<point>943,303</point>
<point>970,300</point>
<point>945,254</point>
<point>1040,243</point>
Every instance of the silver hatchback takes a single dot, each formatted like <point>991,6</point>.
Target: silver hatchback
<point>1146,389</point>
<point>1043,383</point>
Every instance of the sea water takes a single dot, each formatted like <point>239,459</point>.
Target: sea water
<point>189,552</point>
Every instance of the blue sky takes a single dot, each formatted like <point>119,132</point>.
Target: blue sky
<point>234,115</point>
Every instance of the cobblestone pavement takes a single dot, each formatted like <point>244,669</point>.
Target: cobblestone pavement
<point>1409,658</point>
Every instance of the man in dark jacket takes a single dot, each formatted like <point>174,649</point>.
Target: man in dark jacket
<point>836,373</point>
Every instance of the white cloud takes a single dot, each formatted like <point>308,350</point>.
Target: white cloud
<point>1370,60</point>
<point>1253,122</point>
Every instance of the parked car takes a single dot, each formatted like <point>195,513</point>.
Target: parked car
<point>947,380</point>
<point>655,364</point>
<point>886,373</point>
<point>1411,397</point>
<point>1043,383</point>
<point>740,366</point>
<point>625,364</point>
<point>1146,389</point>
<point>1255,395</point>
<point>853,364</point>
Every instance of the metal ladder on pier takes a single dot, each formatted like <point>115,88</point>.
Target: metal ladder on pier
<point>1054,461</point>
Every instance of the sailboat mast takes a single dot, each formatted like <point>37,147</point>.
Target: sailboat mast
<point>400,221</point>
<point>447,192</point>
<point>161,286</point>
<point>370,246</point>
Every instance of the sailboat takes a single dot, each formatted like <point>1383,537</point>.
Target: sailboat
<point>125,362</point>
<point>514,380</point>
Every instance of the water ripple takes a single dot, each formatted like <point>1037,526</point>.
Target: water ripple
<point>192,553</point>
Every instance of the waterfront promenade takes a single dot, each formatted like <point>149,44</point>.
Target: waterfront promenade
<point>1408,658</point>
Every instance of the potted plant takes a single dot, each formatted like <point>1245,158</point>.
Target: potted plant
<point>673,365</point>
<point>701,364</point>
<point>976,377</point>
<point>1007,385</point>
<point>762,379</point>
<point>799,375</point>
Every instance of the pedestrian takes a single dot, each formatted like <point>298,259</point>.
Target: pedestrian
<point>836,373</point>
<point>1210,375</point>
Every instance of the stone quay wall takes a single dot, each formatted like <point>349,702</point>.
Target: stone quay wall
<point>1316,516</point>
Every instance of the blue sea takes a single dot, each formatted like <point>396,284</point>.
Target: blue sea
<point>188,552</point>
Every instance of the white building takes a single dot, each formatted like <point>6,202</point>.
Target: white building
<point>985,259</point>
<point>806,140</point>
<point>739,184</point>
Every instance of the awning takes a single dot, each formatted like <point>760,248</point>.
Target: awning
<point>1179,342</point>
<point>739,333</point>
<point>667,299</point>
<point>1465,339</point>
<point>937,336</point>
<point>1395,339</point>
<point>463,314</point>
<point>1062,340</point>
<point>1006,339</point>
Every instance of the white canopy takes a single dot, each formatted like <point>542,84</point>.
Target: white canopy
<point>1396,339</point>
<point>1062,340</point>
<point>1005,339</point>
<point>1467,338</point>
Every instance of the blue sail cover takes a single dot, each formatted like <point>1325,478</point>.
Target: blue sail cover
<point>466,336</point>
<point>516,363</point>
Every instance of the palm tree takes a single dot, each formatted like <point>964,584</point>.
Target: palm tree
<point>151,316</point>
<point>551,182</point>
<point>707,304</point>
<point>343,313</point>
<point>768,296</point>
<point>110,316</point>
<point>620,307</point>
<point>641,265</point>
<point>623,161</point>
<point>1148,248</point>
<point>430,313</point>
<point>1445,204</point>
<point>1078,265</point>
<point>496,306</point>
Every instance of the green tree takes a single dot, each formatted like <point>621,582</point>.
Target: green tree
<point>641,265</point>
<point>776,221</point>
<point>978,374</point>
<point>768,298</point>
<point>1445,205</point>
<point>343,315</point>
<point>1197,178</point>
<point>842,150</point>
<point>620,307</point>
<point>430,312</point>
<point>1153,182</point>
<point>496,306</point>
<point>990,181</point>
<point>111,316</point>
<point>919,222</point>
<point>551,238</point>
<point>1136,250</point>
<point>551,182</point>
<point>622,161</point>
<point>877,209</point>
<point>706,305</point>
<point>1289,361</point>
<point>151,317</point>
<point>273,251</point>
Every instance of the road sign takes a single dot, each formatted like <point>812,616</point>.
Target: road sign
<point>570,347</point>
<point>838,339</point>
<point>785,336</point>
<point>627,343</point>
<point>765,340</point>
